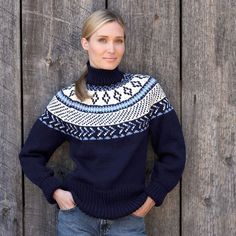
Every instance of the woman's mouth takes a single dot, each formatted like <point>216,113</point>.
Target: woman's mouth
<point>110,58</point>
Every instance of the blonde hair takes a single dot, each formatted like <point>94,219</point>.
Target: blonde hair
<point>91,24</point>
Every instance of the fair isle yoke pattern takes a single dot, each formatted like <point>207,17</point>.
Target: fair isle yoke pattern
<point>115,111</point>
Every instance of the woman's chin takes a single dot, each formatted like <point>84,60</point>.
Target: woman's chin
<point>109,66</point>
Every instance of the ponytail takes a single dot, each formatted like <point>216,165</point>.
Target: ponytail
<point>81,91</point>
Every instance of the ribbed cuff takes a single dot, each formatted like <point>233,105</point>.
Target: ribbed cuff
<point>49,186</point>
<point>156,192</point>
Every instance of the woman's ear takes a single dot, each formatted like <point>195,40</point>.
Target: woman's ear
<point>84,43</point>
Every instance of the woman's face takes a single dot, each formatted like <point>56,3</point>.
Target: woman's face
<point>106,46</point>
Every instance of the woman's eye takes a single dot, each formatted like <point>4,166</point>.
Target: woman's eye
<point>120,41</point>
<point>102,40</point>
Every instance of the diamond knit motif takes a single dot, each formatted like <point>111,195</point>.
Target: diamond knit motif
<point>136,83</point>
<point>117,95</point>
<point>127,91</point>
<point>95,98</point>
<point>114,94</point>
<point>106,97</point>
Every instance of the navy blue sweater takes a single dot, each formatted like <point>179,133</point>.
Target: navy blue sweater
<point>108,137</point>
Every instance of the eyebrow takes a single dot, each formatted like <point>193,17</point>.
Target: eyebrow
<point>105,36</point>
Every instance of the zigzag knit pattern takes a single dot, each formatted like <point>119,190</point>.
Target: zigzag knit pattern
<point>115,111</point>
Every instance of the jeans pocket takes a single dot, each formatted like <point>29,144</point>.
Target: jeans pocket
<point>68,210</point>
<point>139,217</point>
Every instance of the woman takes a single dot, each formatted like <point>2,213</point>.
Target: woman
<point>106,116</point>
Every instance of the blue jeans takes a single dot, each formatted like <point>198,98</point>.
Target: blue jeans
<point>74,222</point>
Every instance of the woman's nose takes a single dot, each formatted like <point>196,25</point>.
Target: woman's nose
<point>111,47</point>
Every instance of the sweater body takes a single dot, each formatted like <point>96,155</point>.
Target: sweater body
<point>108,176</point>
<point>108,139</point>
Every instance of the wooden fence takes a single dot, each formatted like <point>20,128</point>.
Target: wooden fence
<point>188,45</point>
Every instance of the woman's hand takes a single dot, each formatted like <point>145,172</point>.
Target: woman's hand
<point>64,199</point>
<point>145,208</point>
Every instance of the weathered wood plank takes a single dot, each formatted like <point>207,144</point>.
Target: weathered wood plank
<point>10,120</point>
<point>152,47</point>
<point>209,108</point>
<point>52,59</point>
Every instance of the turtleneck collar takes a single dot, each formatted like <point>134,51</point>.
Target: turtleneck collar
<point>103,77</point>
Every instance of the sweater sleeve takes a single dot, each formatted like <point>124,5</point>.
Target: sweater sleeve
<point>40,144</point>
<point>168,143</point>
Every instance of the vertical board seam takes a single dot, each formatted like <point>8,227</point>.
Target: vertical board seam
<point>181,106</point>
<point>22,119</point>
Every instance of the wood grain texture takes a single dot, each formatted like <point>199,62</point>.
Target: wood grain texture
<point>209,120</point>
<point>52,59</point>
<point>152,47</point>
<point>10,120</point>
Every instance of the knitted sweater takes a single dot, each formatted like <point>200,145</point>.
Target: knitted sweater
<point>108,138</point>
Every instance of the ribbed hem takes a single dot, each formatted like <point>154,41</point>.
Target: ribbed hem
<point>156,192</point>
<point>111,203</point>
<point>49,186</point>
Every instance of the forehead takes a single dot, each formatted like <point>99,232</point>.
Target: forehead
<point>110,29</point>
